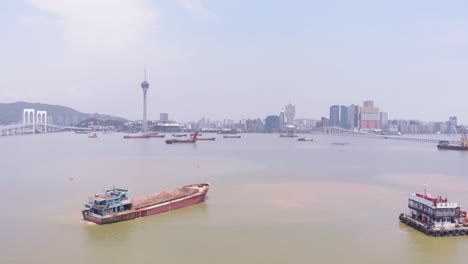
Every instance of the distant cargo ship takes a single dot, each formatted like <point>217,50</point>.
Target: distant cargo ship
<point>288,135</point>
<point>227,131</point>
<point>209,139</point>
<point>114,205</point>
<point>227,136</point>
<point>444,144</point>
<point>140,136</point>
<point>193,139</point>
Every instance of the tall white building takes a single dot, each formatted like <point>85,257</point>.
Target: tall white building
<point>290,112</point>
<point>164,117</point>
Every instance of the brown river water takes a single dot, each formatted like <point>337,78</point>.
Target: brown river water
<point>273,200</point>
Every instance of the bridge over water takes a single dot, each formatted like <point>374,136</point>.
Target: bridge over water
<point>23,128</point>
<point>341,131</point>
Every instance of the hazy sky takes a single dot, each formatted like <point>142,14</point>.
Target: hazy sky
<point>237,59</point>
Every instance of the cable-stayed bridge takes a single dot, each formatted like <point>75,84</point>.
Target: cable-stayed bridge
<point>23,128</point>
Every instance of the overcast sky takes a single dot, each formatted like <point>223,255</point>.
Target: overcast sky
<point>237,59</point>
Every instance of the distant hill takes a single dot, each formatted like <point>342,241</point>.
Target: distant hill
<point>11,113</point>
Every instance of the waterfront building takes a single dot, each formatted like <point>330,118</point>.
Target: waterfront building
<point>324,122</point>
<point>290,112</point>
<point>369,117</point>
<point>272,124</point>
<point>254,125</point>
<point>353,117</point>
<point>453,120</point>
<point>164,117</point>
<point>452,125</point>
<point>384,121</point>
<point>344,116</point>
<point>334,116</point>
<point>282,120</point>
<point>368,103</point>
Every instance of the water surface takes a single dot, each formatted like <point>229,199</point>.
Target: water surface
<point>273,200</point>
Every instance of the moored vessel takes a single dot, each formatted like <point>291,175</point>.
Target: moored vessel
<point>227,131</point>
<point>193,139</point>
<point>140,136</point>
<point>288,135</point>
<point>233,136</point>
<point>156,135</point>
<point>115,206</point>
<point>435,216</point>
<point>463,145</point>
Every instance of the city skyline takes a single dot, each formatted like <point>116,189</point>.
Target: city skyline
<point>234,56</point>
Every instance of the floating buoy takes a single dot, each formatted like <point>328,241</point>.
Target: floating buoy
<point>71,179</point>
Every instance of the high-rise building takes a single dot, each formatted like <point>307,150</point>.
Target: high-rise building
<point>384,121</point>
<point>344,116</point>
<point>353,116</point>
<point>282,120</point>
<point>272,124</point>
<point>369,117</point>
<point>334,116</point>
<point>453,120</point>
<point>254,126</point>
<point>290,111</point>
<point>324,122</point>
<point>144,86</point>
<point>163,117</point>
<point>368,103</point>
<point>452,125</point>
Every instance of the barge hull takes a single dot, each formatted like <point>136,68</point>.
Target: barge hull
<point>435,232</point>
<point>451,147</point>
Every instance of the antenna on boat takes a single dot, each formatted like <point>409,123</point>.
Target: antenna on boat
<point>425,191</point>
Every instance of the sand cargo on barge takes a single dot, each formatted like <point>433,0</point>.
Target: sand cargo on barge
<point>435,216</point>
<point>115,206</point>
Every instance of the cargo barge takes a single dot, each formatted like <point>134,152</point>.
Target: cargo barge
<point>209,139</point>
<point>227,136</point>
<point>435,216</point>
<point>141,136</point>
<point>115,206</point>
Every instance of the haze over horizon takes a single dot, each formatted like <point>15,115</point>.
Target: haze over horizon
<point>237,59</point>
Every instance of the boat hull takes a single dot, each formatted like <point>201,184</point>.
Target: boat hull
<point>158,208</point>
<point>174,141</point>
<point>431,231</point>
<point>452,147</point>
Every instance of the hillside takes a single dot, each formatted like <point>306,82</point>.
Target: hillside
<point>11,113</point>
